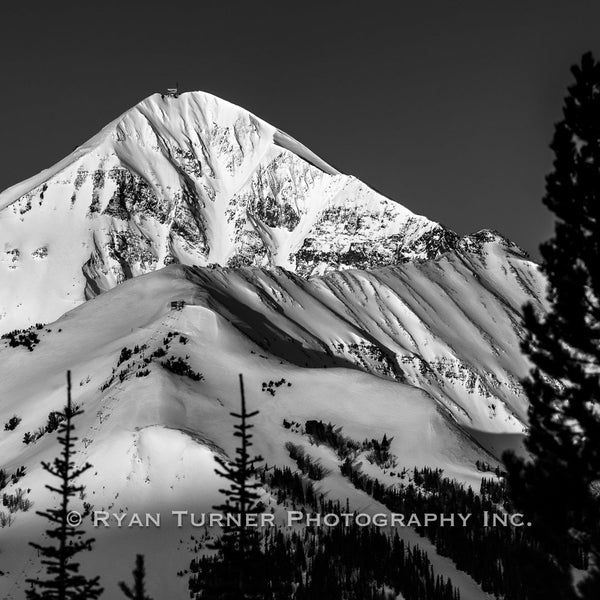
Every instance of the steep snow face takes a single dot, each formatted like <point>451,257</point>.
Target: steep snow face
<point>151,434</point>
<point>192,180</point>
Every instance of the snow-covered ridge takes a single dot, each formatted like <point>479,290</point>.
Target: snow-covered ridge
<point>450,326</point>
<point>151,434</point>
<point>194,180</point>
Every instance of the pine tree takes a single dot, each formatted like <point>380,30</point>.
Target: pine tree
<point>237,572</point>
<point>559,489</point>
<point>64,582</point>
<point>138,591</point>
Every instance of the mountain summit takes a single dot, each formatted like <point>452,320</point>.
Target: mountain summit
<point>190,179</point>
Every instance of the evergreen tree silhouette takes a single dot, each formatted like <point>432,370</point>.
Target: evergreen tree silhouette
<point>138,591</point>
<point>237,572</point>
<point>64,582</point>
<point>560,488</point>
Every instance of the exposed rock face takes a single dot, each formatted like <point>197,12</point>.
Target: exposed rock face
<point>192,180</point>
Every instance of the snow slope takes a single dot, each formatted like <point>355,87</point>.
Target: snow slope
<point>152,439</point>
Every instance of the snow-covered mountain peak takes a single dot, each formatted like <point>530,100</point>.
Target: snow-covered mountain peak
<point>190,179</point>
<point>191,115</point>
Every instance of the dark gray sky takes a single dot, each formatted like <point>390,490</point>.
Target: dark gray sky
<point>447,107</point>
